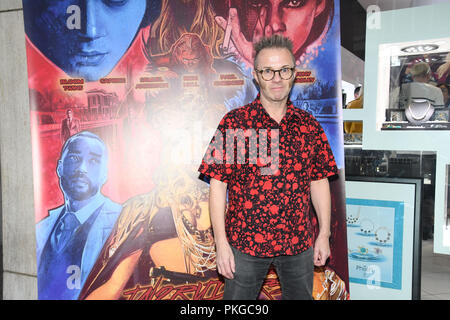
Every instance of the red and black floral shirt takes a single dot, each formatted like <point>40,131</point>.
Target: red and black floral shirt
<point>268,211</point>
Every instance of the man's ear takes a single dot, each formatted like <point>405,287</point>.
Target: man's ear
<point>296,69</point>
<point>59,168</point>
<point>320,7</point>
<point>255,77</point>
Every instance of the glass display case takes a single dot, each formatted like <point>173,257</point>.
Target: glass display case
<point>414,78</point>
<point>395,164</point>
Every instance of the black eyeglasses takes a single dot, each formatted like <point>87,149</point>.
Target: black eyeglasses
<point>268,74</point>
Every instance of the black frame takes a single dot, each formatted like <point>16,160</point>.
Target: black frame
<point>441,114</point>
<point>1,239</point>
<point>417,237</point>
<point>399,112</point>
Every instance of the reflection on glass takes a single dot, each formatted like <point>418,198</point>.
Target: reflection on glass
<point>353,132</point>
<point>418,87</point>
<point>446,227</point>
<point>417,77</point>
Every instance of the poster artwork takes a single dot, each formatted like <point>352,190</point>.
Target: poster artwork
<point>124,99</point>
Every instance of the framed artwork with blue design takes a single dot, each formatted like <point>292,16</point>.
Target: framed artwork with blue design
<point>384,237</point>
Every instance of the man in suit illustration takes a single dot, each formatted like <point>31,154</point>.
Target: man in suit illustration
<point>71,237</point>
<point>69,126</point>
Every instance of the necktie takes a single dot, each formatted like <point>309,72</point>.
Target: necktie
<point>66,227</point>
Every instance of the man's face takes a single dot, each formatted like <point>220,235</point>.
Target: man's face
<point>83,168</point>
<point>277,89</point>
<point>69,115</point>
<point>291,18</point>
<point>106,30</point>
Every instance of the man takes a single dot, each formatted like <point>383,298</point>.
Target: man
<point>267,218</point>
<point>420,88</point>
<point>357,92</point>
<point>69,126</point>
<point>355,126</point>
<point>71,237</point>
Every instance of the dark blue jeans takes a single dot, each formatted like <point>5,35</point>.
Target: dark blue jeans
<point>294,272</point>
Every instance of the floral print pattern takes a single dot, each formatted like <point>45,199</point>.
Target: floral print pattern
<point>268,214</point>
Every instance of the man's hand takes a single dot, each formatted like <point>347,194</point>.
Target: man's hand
<point>217,203</point>
<point>225,260</point>
<point>321,199</point>
<point>321,250</point>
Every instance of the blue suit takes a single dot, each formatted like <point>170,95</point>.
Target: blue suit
<point>55,280</point>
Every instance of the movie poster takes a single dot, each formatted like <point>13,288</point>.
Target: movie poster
<point>124,99</point>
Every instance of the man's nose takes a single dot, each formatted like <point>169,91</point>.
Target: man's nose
<point>83,166</point>
<point>277,76</point>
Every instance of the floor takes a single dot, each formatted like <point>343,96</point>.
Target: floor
<point>435,273</point>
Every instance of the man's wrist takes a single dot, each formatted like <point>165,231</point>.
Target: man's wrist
<point>221,241</point>
<point>324,234</point>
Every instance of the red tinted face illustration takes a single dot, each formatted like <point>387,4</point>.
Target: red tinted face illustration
<point>293,19</point>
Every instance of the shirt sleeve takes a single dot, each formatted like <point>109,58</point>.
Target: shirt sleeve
<point>214,164</point>
<point>323,164</point>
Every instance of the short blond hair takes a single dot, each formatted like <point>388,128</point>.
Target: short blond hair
<point>420,69</point>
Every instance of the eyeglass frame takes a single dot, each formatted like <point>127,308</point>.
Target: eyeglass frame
<point>275,71</point>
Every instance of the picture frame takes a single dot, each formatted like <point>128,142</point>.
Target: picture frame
<point>353,139</point>
<point>384,237</point>
<point>395,115</point>
<point>441,114</point>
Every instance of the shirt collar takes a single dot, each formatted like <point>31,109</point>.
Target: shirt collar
<point>84,213</point>
<point>291,110</point>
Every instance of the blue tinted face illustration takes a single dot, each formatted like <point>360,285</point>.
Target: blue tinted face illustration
<point>85,38</point>
<point>82,168</point>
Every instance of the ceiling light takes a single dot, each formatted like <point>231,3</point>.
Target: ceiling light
<point>420,48</point>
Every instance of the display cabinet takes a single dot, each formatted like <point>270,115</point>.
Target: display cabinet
<point>409,84</point>
<point>393,44</point>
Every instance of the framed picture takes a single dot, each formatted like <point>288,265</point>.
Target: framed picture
<point>384,237</point>
<point>440,114</point>
<point>352,138</point>
<point>395,115</point>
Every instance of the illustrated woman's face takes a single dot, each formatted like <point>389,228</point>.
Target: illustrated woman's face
<point>85,38</point>
<point>290,18</point>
